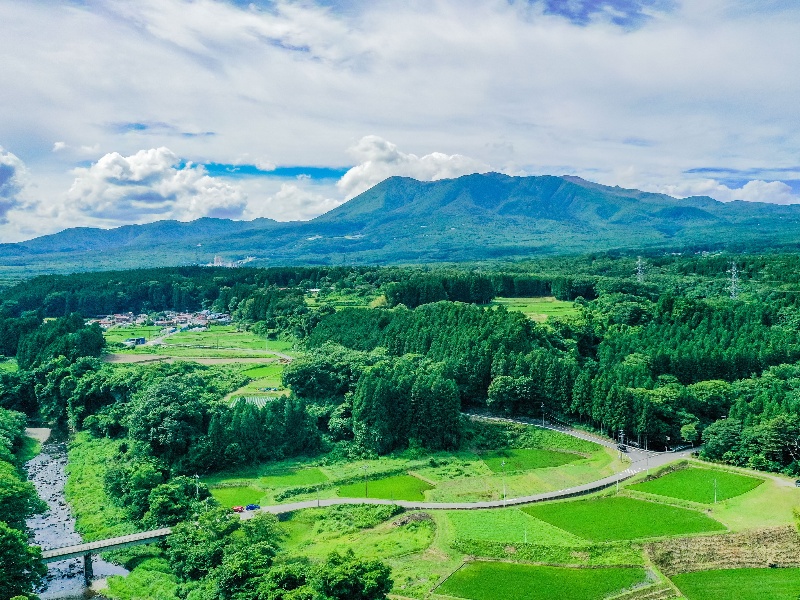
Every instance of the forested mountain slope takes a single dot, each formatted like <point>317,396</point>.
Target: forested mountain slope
<point>401,220</point>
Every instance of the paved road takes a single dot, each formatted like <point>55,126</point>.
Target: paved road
<point>640,460</point>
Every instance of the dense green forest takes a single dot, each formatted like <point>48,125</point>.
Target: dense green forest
<point>674,352</point>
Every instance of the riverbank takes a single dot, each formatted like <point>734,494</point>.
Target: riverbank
<point>56,527</point>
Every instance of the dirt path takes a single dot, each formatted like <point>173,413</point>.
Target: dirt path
<point>40,434</point>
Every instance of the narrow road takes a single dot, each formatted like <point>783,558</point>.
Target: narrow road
<point>640,460</point>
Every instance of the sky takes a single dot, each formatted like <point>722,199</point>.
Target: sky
<point>115,112</point>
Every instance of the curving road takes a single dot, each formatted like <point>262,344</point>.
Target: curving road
<point>640,460</point>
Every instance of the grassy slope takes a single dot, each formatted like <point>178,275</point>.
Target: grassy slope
<point>396,487</point>
<point>697,485</point>
<point>741,584</point>
<point>97,517</point>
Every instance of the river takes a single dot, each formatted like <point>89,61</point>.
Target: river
<point>56,528</point>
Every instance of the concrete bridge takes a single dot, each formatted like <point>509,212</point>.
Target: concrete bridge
<point>640,460</point>
<point>86,550</point>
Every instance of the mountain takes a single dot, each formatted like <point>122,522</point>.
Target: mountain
<point>402,220</point>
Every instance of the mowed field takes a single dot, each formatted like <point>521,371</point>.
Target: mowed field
<point>538,309</point>
<point>699,485</point>
<point>621,518</point>
<point>740,584</point>
<point>504,581</point>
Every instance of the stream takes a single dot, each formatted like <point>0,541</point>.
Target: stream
<point>56,528</point>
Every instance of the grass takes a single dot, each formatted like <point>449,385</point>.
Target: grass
<point>30,448</point>
<point>225,336</point>
<point>96,516</point>
<point>697,485</point>
<point>501,581</point>
<point>538,309</point>
<point>120,334</point>
<point>620,518</point>
<point>525,459</point>
<point>510,525</point>
<point>396,487</point>
<point>308,476</point>
<point>262,376</point>
<point>237,495</point>
<point>768,505</point>
<point>741,584</point>
<point>8,365</point>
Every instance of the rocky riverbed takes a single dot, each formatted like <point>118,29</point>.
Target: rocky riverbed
<point>56,527</point>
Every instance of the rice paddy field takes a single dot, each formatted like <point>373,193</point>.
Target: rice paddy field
<point>621,518</point>
<point>502,581</point>
<point>740,584</point>
<point>524,459</point>
<point>396,487</point>
<point>699,485</point>
<point>120,334</point>
<point>537,309</point>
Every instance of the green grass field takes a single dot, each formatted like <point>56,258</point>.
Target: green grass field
<point>538,309</point>
<point>8,366</point>
<point>225,336</point>
<point>510,525</point>
<point>620,518</point>
<point>308,476</point>
<point>120,334</point>
<point>396,487</point>
<point>697,485</point>
<point>503,581</point>
<point>740,584</point>
<point>237,496</point>
<point>524,459</point>
<point>262,376</point>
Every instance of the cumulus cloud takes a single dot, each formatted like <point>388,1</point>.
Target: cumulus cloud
<point>774,192</point>
<point>152,184</point>
<point>292,202</point>
<point>13,179</point>
<point>379,159</point>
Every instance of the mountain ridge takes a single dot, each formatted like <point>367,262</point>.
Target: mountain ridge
<point>403,220</point>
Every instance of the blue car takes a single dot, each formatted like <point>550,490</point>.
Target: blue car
<point>252,507</point>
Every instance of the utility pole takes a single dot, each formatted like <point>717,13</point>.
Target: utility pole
<point>639,269</point>
<point>734,288</point>
<point>715,490</point>
<point>197,485</point>
<point>503,464</point>
<point>542,414</point>
<point>366,484</point>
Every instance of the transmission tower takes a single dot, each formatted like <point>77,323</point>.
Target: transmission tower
<point>639,270</point>
<point>734,289</point>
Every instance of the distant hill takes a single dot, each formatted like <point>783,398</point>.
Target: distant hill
<point>402,220</point>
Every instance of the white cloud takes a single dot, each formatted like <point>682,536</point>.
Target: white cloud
<point>13,181</point>
<point>379,159</point>
<point>708,83</point>
<point>774,192</point>
<point>291,203</point>
<point>151,185</point>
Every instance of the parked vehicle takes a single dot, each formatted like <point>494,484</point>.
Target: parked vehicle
<point>622,447</point>
<point>238,509</point>
<point>797,482</point>
<point>252,507</point>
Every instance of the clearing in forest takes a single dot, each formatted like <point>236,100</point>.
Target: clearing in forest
<point>698,485</point>
<point>501,581</point>
<point>621,518</point>
<point>537,309</point>
<point>741,584</point>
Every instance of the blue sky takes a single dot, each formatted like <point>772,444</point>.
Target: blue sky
<point>129,111</point>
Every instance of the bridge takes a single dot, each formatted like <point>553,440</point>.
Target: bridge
<point>640,460</point>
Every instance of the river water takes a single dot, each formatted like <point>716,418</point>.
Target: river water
<point>56,527</point>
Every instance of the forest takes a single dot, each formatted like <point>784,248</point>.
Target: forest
<point>677,353</point>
